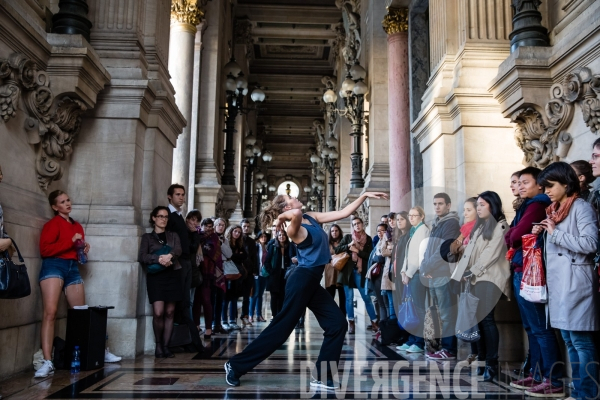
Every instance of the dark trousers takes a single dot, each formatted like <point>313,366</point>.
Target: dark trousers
<point>543,345</point>
<point>202,301</point>
<point>341,296</point>
<point>277,300</point>
<point>302,290</point>
<point>186,283</point>
<point>382,302</point>
<point>246,291</point>
<point>487,347</point>
<point>217,304</point>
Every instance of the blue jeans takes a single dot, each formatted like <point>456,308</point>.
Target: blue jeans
<point>350,298</point>
<point>231,306</point>
<point>389,294</point>
<point>256,301</point>
<point>543,346</point>
<point>418,292</point>
<point>439,290</point>
<point>584,363</point>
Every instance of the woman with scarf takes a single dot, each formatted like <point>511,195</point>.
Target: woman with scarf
<point>485,267</point>
<point>213,279</point>
<point>570,238</point>
<point>401,237</point>
<point>359,246</point>
<point>331,274</point>
<point>239,256</point>
<point>415,251</point>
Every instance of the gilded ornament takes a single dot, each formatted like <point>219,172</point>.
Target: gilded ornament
<point>395,21</point>
<point>186,12</point>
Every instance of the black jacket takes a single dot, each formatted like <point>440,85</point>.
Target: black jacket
<point>276,265</point>
<point>177,224</point>
<point>250,247</point>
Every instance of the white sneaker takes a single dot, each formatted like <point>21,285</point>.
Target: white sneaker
<point>110,357</point>
<point>46,369</point>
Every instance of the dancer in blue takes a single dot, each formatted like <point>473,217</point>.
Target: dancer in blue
<point>302,289</point>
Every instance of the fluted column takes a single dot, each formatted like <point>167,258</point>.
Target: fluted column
<point>185,16</point>
<point>395,25</point>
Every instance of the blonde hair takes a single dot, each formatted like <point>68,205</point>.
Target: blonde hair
<point>271,210</point>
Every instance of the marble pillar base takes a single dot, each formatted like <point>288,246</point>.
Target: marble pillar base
<point>206,197</point>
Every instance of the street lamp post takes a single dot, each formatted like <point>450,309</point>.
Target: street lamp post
<point>252,154</point>
<point>236,88</point>
<point>353,92</point>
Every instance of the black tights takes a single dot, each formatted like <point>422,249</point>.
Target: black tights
<point>162,321</point>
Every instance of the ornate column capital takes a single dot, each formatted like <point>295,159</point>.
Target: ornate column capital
<point>187,12</point>
<point>395,21</point>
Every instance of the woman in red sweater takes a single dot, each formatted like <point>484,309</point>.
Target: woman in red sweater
<point>59,270</point>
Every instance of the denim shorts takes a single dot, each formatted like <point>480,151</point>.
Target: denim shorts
<point>67,270</point>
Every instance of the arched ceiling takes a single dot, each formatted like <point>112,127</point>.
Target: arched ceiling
<point>292,44</point>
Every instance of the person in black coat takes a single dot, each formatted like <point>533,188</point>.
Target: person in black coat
<point>279,259</point>
<point>251,264</point>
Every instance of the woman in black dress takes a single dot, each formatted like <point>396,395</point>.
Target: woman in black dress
<point>164,288</point>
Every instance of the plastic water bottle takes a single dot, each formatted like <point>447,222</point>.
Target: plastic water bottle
<point>75,361</point>
<point>80,247</point>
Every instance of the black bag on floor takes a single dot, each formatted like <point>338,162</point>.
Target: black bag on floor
<point>391,332</point>
<point>186,336</point>
<point>58,358</point>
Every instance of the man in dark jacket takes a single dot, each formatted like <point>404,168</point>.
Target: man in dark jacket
<point>544,354</point>
<point>251,264</point>
<point>437,271</point>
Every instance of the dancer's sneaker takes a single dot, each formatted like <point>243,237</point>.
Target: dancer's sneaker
<point>46,369</point>
<point>230,376</point>
<point>329,385</point>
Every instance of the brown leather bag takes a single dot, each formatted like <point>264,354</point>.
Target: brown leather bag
<point>339,260</point>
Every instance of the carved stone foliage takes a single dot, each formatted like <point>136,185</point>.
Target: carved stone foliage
<point>243,35</point>
<point>351,18</point>
<point>187,11</point>
<point>546,142</point>
<point>53,125</point>
<point>395,21</point>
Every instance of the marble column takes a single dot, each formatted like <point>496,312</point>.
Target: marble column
<point>185,16</point>
<point>395,25</point>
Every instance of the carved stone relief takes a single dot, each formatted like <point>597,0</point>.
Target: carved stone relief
<point>543,143</point>
<point>243,35</point>
<point>337,45</point>
<point>351,18</point>
<point>52,123</point>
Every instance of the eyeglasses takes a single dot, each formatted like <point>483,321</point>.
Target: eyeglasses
<point>162,216</point>
<point>413,215</point>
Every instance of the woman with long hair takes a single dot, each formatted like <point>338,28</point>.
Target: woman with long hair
<point>331,274</point>
<point>484,265</point>
<point>303,290</point>
<point>164,288</point>
<point>584,173</point>
<point>260,280</point>
<point>358,245</point>
<point>220,225</point>
<point>60,270</point>
<point>234,238</point>
<point>415,251</point>
<point>279,260</point>
<point>571,237</point>
<point>401,238</point>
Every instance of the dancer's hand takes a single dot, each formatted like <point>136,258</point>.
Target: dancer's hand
<point>375,195</point>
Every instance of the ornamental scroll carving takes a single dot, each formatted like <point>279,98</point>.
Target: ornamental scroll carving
<point>52,123</point>
<point>545,142</point>
<point>351,18</point>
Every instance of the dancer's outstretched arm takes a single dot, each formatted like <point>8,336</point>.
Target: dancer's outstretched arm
<point>332,216</point>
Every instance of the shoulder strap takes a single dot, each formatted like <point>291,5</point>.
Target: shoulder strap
<point>21,260</point>
<point>313,221</point>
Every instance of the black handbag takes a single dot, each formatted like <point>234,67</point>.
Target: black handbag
<point>14,281</point>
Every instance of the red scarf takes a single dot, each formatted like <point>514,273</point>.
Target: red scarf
<point>557,212</point>
<point>465,231</point>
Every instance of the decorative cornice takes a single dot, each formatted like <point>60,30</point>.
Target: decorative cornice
<point>53,125</point>
<point>186,12</point>
<point>544,143</point>
<point>395,21</point>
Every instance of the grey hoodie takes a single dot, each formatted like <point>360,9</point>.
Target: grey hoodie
<point>443,228</point>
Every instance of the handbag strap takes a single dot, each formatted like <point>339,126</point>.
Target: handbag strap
<point>7,256</point>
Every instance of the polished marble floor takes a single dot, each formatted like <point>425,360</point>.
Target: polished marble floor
<point>367,370</point>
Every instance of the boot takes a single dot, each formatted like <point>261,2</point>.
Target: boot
<point>490,372</point>
<point>351,327</point>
